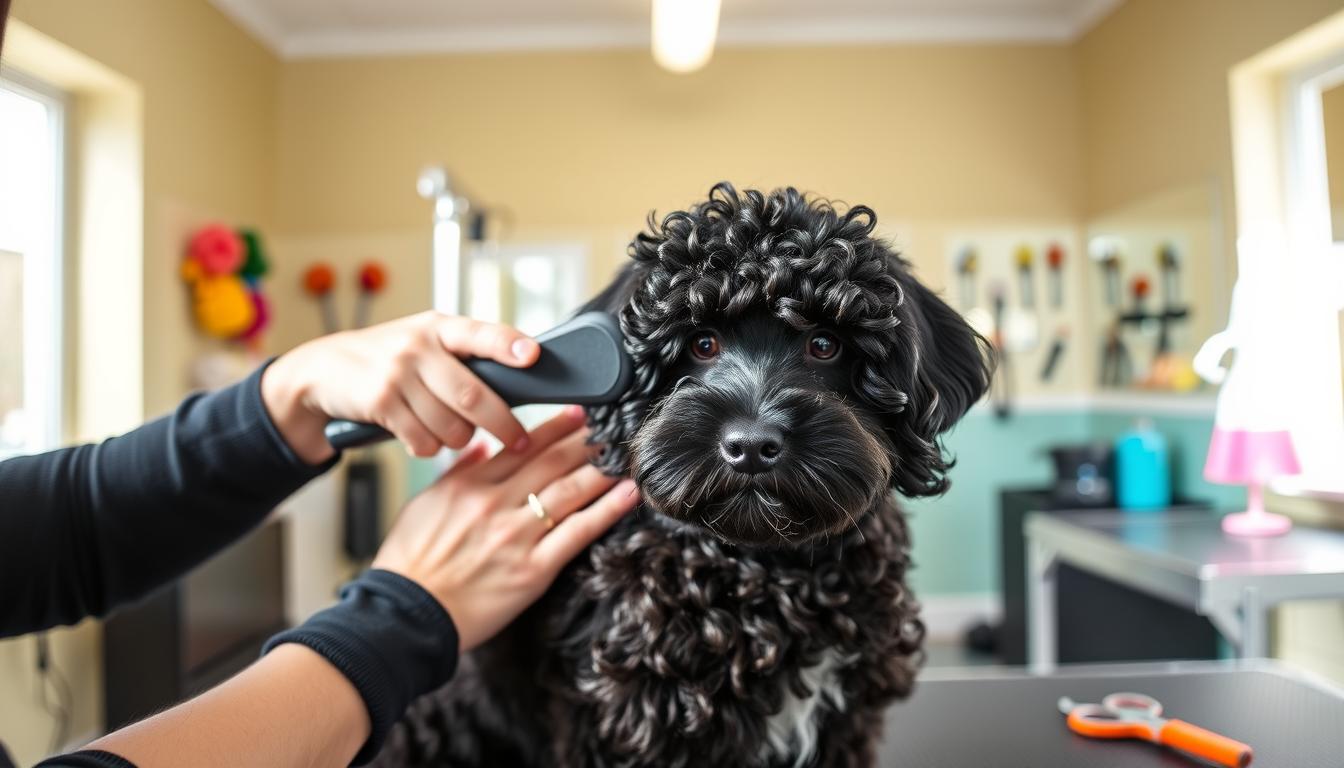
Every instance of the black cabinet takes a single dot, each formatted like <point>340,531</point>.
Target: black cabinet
<point>1099,620</point>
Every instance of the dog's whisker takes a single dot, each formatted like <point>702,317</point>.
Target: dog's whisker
<point>720,517</point>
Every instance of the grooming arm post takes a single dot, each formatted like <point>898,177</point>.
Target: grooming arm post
<point>449,265</point>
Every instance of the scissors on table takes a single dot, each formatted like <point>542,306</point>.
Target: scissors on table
<point>1135,716</point>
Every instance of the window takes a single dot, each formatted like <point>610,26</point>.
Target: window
<point>1313,166</point>
<point>32,118</point>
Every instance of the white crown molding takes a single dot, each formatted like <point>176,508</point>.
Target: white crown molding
<point>922,28</point>
<point>475,39</point>
<point>1091,13</point>
<point>256,18</point>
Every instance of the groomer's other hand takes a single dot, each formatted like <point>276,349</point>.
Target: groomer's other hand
<point>405,376</point>
<point>473,542</point>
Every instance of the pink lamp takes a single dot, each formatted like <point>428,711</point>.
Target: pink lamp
<point>1251,458</point>
<point>1250,445</point>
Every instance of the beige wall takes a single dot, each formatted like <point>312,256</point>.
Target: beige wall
<point>1332,112</point>
<point>209,149</point>
<point>1153,83</point>
<point>595,139</point>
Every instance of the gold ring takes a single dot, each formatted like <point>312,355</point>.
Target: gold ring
<point>539,510</point>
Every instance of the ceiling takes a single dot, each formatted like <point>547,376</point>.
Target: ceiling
<point>309,28</point>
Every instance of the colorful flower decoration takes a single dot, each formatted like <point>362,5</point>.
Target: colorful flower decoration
<point>217,249</point>
<point>223,305</point>
<point>255,265</point>
<point>224,270</point>
<point>261,316</point>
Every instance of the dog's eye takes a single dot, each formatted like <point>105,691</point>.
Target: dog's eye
<point>823,346</point>
<point>705,346</point>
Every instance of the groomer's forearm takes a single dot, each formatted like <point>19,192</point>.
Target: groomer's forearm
<point>84,529</point>
<point>288,401</point>
<point>290,709</point>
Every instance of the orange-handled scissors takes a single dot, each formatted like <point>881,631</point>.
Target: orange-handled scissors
<point>1135,716</point>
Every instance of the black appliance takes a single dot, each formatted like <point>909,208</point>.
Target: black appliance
<point>1084,475</point>
<point>196,632</point>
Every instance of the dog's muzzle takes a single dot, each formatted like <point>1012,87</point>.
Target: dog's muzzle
<point>765,468</point>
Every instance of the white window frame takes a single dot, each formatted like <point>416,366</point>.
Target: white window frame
<point>570,260</point>
<point>1317,263</point>
<point>43,321</point>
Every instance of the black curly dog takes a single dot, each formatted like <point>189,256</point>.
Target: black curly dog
<point>790,372</point>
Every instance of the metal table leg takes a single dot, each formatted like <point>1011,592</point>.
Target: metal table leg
<point>1041,608</point>
<point>1254,625</point>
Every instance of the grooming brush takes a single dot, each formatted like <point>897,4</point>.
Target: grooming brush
<point>372,279</point>
<point>1116,367</point>
<point>1110,269</point>
<point>967,264</point>
<point>318,282</point>
<point>1140,288</point>
<point>582,362</point>
<point>1054,259</point>
<point>1055,353</point>
<point>1023,257</point>
<point>1171,283</point>
<point>1000,392</point>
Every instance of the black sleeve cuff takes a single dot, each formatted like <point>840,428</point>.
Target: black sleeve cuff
<point>390,638</point>
<point>276,451</point>
<point>89,758</point>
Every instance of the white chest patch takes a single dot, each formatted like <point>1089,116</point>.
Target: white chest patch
<point>793,731</point>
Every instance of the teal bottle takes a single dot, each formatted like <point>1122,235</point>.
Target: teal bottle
<point>1142,469</point>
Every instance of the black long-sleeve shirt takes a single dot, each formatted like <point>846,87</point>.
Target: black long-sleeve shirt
<point>85,529</point>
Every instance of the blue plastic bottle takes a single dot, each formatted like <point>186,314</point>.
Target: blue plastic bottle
<point>1142,469</point>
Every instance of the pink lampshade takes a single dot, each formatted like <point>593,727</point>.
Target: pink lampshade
<point>1243,456</point>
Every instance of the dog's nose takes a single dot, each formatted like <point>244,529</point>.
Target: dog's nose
<point>750,446</point>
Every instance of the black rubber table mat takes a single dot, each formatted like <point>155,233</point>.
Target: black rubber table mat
<point>1014,722</point>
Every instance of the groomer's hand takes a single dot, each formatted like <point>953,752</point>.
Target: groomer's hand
<point>473,541</point>
<point>405,376</point>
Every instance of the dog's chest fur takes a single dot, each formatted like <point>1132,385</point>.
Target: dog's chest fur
<point>792,733</point>
<point>674,648</point>
<point>670,648</point>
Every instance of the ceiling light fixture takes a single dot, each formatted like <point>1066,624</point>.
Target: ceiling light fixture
<point>684,32</point>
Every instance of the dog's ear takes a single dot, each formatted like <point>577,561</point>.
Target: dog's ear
<point>613,425</point>
<point>939,369</point>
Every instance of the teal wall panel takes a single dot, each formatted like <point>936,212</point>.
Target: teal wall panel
<point>956,535</point>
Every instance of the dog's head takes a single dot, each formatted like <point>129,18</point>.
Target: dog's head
<point>789,369</point>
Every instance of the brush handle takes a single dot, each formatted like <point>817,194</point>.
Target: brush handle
<point>582,362</point>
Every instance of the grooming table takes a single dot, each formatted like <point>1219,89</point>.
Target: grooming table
<point>1185,558</point>
<point>1008,719</point>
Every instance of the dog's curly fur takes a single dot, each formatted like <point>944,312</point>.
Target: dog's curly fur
<point>681,638</point>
